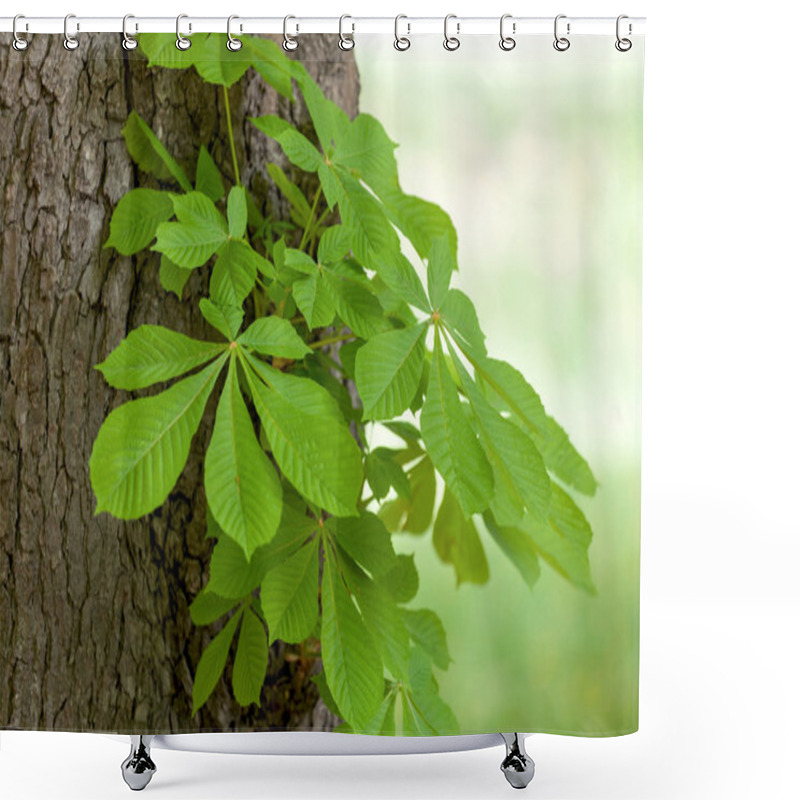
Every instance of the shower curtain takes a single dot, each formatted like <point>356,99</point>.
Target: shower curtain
<point>320,387</point>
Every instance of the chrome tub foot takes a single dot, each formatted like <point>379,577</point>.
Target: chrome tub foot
<point>517,766</point>
<point>138,768</point>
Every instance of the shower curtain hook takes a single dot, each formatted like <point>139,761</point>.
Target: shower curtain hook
<point>128,42</point>
<point>561,43</point>
<point>401,42</point>
<point>233,44</point>
<point>623,45</point>
<point>507,42</point>
<point>182,43</point>
<point>70,42</point>
<point>289,42</point>
<point>346,42</point>
<point>451,42</point>
<point>18,43</point>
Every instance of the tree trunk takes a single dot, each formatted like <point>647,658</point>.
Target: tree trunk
<point>95,631</point>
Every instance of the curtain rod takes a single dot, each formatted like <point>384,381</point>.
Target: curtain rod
<point>461,26</point>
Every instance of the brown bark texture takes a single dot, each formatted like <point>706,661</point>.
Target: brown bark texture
<point>95,633</point>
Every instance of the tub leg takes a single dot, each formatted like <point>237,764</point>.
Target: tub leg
<point>517,766</point>
<point>138,768</point>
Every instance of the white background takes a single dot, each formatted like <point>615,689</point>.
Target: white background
<point>720,537</point>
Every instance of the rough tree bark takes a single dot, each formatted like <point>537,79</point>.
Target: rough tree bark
<point>95,632</point>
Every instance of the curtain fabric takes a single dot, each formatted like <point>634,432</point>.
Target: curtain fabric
<point>320,389</point>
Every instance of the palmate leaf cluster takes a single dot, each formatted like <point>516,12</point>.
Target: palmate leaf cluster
<point>302,511</point>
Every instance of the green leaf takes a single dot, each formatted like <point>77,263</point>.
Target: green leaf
<point>161,51</point>
<point>196,236</point>
<point>330,121</point>
<point>563,540</point>
<point>332,189</point>
<point>274,336</point>
<point>384,473</point>
<point>519,548</point>
<point>456,541</point>
<point>461,319</point>
<point>271,63</point>
<point>414,723</point>
<point>215,63</point>
<point>426,631</point>
<point>148,152</point>
<point>289,596</point>
<point>382,617</point>
<point>508,389</point>
<point>212,662</point>
<point>150,354</point>
<point>397,272</point>
<point>405,430</point>
<point>292,192</point>
<point>231,575</point>
<point>440,269</point>
<point>242,489</point>
<point>415,515</point>
<point>234,273</point>
<point>347,356</point>
<point>334,245</point>
<point>136,217</point>
<point>208,607</point>
<point>173,278</point>
<point>365,539</point>
<point>382,724</point>
<point>312,446</point>
<point>307,395</point>
<point>208,179</point>
<point>419,220</point>
<point>520,478</point>
<point>142,445</point>
<point>250,664</point>
<point>299,261</point>
<point>451,443</point>
<point>388,371</point>
<point>367,149</point>
<point>295,530</point>
<point>299,150</point>
<point>353,667</point>
<point>355,302</point>
<point>430,710</point>
<point>371,233</point>
<point>315,299</point>
<point>402,581</point>
<point>325,693</point>
<point>237,211</point>
<point>226,319</point>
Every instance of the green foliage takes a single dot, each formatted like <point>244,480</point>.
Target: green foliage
<point>325,327</point>
<point>242,488</point>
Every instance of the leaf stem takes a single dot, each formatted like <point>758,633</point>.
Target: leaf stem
<point>230,135</point>
<point>340,337</point>
<point>310,218</point>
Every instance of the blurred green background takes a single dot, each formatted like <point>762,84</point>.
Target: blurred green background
<point>537,157</point>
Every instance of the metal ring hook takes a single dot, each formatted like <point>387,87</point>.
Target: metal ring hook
<point>561,43</point>
<point>18,43</point>
<point>451,42</point>
<point>401,43</point>
<point>233,44</point>
<point>181,42</point>
<point>70,42</point>
<point>128,42</point>
<point>289,42</point>
<point>507,42</point>
<point>346,42</point>
<point>623,44</point>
